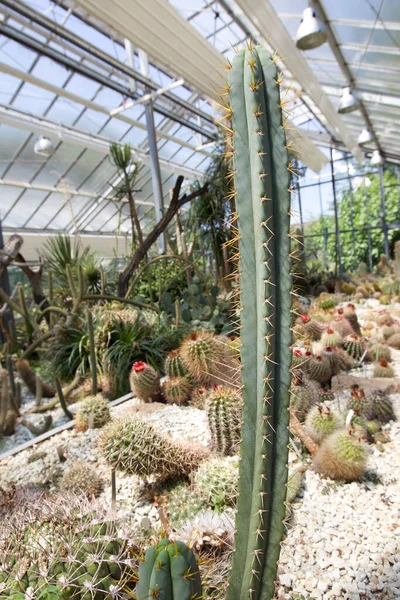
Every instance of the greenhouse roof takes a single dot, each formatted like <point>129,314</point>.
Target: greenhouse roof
<point>68,72</point>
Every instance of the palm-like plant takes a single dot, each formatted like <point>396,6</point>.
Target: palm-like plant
<point>128,167</point>
<point>60,251</point>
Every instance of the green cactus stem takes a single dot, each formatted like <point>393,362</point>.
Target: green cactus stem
<point>379,351</point>
<point>145,381</point>
<point>93,359</point>
<point>331,338</point>
<point>383,369</point>
<point>177,390</point>
<point>261,182</point>
<point>169,572</point>
<point>173,365</point>
<point>224,414</point>
<point>355,347</point>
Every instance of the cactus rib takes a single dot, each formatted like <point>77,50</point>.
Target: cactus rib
<point>262,200</point>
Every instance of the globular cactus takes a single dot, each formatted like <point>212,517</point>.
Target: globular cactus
<point>341,325</point>
<point>182,502</point>
<point>383,369</point>
<point>81,478</point>
<point>354,346</point>
<point>384,318</point>
<point>206,357</point>
<point>349,312</point>
<point>318,368</point>
<point>331,338</point>
<point>176,390</point>
<point>378,351</point>
<point>341,456</point>
<point>224,415</point>
<point>138,449</point>
<point>303,396</point>
<point>360,403</point>
<point>93,413</point>
<point>387,330</point>
<point>338,359</point>
<point>313,329</point>
<point>324,395</point>
<point>169,571</point>
<point>174,366</point>
<point>394,341</point>
<point>198,397</point>
<point>321,421</point>
<point>62,549</point>
<point>382,408</point>
<point>145,382</point>
<point>326,303</point>
<point>348,288</point>
<point>298,358</point>
<point>262,202</point>
<point>217,480</point>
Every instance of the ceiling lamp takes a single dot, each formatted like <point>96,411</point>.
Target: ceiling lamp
<point>376,158</point>
<point>365,136</point>
<point>311,32</point>
<point>348,103</point>
<point>43,146</point>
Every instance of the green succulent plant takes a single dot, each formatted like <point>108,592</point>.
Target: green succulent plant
<point>92,412</point>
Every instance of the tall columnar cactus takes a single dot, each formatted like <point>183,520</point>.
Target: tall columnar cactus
<point>261,183</point>
<point>169,571</point>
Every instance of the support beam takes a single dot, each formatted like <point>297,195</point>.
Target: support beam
<point>147,97</point>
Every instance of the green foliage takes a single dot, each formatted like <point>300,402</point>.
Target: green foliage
<point>169,571</point>
<point>60,251</point>
<point>361,218</point>
<point>217,480</point>
<point>163,276</point>
<point>69,351</point>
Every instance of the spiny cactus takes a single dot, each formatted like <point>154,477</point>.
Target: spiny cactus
<point>318,368</point>
<point>331,338</point>
<point>234,344</point>
<point>326,303</point>
<point>198,397</point>
<point>321,421</point>
<point>176,390</point>
<point>204,356</point>
<point>382,407</point>
<point>342,456</point>
<point>145,381</point>
<point>394,341</point>
<point>313,329</point>
<point>173,365</point>
<point>137,448</point>
<point>56,548</point>
<point>360,403</point>
<point>224,412</point>
<point>298,358</point>
<point>92,412</point>
<point>387,330</point>
<point>341,325</point>
<point>217,480</point>
<point>262,199</point>
<point>81,478</point>
<point>338,359</point>
<point>302,397</point>
<point>378,351</point>
<point>383,369</point>
<point>183,502</point>
<point>355,346</point>
<point>324,395</point>
<point>349,312</point>
<point>169,571</point>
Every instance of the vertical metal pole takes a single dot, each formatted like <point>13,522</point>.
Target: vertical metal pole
<point>153,152</point>
<point>353,234</point>
<point>383,212</point>
<point>8,318</point>
<point>337,232</point>
<point>366,198</point>
<point>130,57</point>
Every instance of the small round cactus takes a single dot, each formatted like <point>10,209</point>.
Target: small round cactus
<point>145,381</point>
<point>326,303</point>
<point>298,358</point>
<point>360,403</point>
<point>137,448</point>
<point>176,390</point>
<point>81,478</point>
<point>354,346</point>
<point>331,338</point>
<point>318,368</point>
<point>394,341</point>
<point>313,329</point>
<point>382,408</point>
<point>203,355</point>
<point>217,480</point>
<point>341,325</point>
<point>93,412</point>
<point>302,397</point>
<point>224,414</point>
<point>321,421</point>
<point>199,397</point>
<point>378,351</point>
<point>341,456</point>
<point>173,365</point>
<point>349,312</point>
<point>338,359</point>
<point>383,369</point>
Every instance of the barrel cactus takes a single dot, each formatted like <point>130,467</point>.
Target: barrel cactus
<point>217,480</point>
<point>81,478</point>
<point>318,368</point>
<point>360,403</point>
<point>355,346</point>
<point>378,351</point>
<point>321,421</point>
<point>349,312</point>
<point>313,329</point>
<point>224,413</point>
<point>382,407</point>
<point>169,571</point>
<point>303,396</point>
<point>383,369</point>
<point>173,365</point>
<point>342,456</point>
<point>261,181</point>
<point>92,412</point>
<point>331,338</point>
<point>176,390</point>
<point>204,357</point>
<point>341,325</point>
<point>145,381</point>
<point>137,448</point>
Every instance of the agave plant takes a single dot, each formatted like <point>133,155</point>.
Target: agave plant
<point>60,251</point>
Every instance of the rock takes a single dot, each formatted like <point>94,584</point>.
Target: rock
<point>285,580</point>
<point>344,381</point>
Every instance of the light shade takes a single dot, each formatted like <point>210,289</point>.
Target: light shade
<point>365,136</point>
<point>43,146</point>
<point>348,103</point>
<point>376,158</point>
<point>311,32</point>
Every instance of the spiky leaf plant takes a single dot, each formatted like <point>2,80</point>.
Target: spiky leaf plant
<point>261,182</point>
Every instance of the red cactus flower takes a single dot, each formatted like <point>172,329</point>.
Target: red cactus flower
<point>297,352</point>
<point>305,318</point>
<point>308,353</point>
<point>139,366</point>
<point>340,311</point>
<point>330,331</point>
<point>383,362</point>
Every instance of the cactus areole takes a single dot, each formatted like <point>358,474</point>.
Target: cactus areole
<point>261,180</point>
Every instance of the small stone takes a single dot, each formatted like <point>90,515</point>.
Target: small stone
<point>285,580</point>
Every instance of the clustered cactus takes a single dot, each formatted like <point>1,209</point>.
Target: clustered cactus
<point>145,381</point>
<point>224,412</point>
<point>137,448</point>
<point>93,412</point>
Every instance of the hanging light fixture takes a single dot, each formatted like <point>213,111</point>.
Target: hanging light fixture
<point>365,136</point>
<point>348,103</point>
<point>376,158</point>
<point>311,32</point>
<point>43,146</point>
